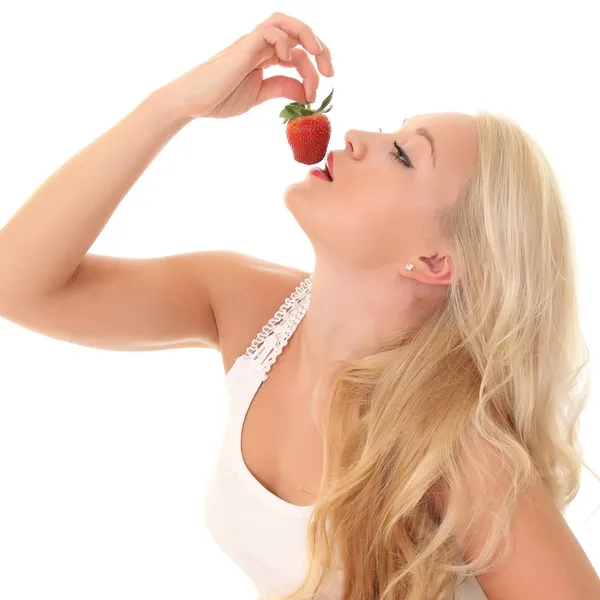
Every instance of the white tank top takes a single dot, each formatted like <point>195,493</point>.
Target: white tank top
<point>262,533</point>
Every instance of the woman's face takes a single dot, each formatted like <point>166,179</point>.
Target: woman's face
<point>377,210</point>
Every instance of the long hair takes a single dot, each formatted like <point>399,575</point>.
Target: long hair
<point>502,358</point>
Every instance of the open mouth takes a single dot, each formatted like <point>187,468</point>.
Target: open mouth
<point>321,174</point>
<point>324,172</point>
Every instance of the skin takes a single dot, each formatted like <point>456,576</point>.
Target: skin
<point>365,226</point>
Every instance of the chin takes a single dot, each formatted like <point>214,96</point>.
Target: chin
<point>304,191</point>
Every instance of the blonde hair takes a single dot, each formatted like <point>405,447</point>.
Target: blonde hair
<point>501,359</point>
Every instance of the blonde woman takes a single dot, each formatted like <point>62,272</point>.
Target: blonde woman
<point>402,420</point>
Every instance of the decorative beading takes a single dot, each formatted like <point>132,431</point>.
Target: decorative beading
<point>274,336</point>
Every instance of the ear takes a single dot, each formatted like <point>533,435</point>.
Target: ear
<point>434,270</point>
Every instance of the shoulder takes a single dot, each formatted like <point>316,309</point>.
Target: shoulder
<point>542,558</point>
<point>249,292</point>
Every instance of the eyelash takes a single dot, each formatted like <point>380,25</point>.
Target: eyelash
<point>400,156</point>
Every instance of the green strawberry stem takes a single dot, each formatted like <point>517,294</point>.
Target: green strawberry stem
<point>297,109</point>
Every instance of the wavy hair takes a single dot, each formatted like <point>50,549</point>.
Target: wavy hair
<point>501,359</point>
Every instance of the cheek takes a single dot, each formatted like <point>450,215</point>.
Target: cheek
<point>379,211</point>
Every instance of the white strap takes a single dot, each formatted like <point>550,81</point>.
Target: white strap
<point>274,336</point>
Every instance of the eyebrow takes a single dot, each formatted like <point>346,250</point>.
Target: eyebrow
<point>427,135</point>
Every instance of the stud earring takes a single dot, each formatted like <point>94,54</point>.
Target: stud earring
<point>409,267</point>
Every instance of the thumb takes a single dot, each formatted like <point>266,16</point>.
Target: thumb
<point>280,86</point>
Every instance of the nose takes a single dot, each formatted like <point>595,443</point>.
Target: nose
<point>354,143</point>
<point>348,138</point>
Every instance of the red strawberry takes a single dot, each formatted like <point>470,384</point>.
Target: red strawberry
<point>308,131</point>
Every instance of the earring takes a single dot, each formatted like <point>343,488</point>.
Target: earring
<point>409,267</point>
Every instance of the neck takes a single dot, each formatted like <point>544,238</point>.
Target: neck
<point>351,314</point>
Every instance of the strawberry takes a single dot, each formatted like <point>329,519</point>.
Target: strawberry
<point>308,131</point>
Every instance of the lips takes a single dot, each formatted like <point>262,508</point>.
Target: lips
<point>326,172</point>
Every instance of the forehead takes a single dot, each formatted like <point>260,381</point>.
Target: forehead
<point>455,139</point>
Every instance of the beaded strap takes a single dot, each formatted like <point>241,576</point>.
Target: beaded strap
<point>274,336</point>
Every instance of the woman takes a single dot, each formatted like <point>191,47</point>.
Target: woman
<point>417,438</point>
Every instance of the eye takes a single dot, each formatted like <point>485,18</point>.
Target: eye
<point>401,156</point>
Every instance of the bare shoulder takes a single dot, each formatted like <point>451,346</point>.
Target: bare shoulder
<point>247,297</point>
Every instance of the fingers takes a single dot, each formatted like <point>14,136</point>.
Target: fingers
<point>306,69</point>
<point>298,30</point>
<point>279,39</point>
<point>325,64</point>
<point>280,86</point>
<point>282,34</point>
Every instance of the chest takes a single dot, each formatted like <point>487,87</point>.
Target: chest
<point>280,442</point>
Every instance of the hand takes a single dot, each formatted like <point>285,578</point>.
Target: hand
<point>231,82</point>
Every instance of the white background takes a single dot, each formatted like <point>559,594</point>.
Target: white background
<point>104,456</point>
